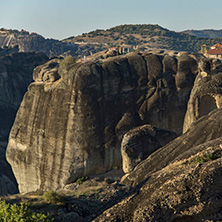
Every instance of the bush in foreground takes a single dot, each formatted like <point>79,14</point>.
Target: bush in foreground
<point>20,213</point>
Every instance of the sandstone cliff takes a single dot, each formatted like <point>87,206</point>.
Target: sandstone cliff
<point>73,117</point>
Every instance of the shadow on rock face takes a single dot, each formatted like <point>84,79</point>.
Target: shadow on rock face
<point>16,71</point>
<point>8,184</point>
<point>180,181</point>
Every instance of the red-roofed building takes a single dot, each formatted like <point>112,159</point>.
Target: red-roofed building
<point>215,51</point>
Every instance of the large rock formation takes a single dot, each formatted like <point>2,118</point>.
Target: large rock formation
<point>138,143</point>
<point>73,117</point>
<point>15,76</point>
<point>206,94</point>
<point>179,182</point>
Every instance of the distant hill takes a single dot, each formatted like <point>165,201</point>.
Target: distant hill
<point>145,36</point>
<point>207,33</point>
<point>148,37</point>
<point>28,42</point>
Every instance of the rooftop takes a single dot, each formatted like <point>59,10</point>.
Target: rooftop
<point>215,49</point>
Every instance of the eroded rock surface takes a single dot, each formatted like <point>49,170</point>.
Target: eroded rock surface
<point>73,126</point>
<point>179,182</point>
<point>205,129</point>
<point>206,94</point>
<point>140,142</point>
<point>47,72</point>
<point>170,83</point>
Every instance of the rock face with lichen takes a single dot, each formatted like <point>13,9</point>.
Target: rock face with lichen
<point>72,119</point>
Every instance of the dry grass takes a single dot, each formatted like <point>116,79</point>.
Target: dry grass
<point>88,188</point>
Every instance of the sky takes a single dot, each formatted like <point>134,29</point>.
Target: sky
<point>60,19</point>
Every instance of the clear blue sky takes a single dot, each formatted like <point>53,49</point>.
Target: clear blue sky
<point>65,18</point>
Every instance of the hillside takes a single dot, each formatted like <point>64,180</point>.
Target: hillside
<point>206,33</point>
<point>145,36</point>
<point>29,42</point>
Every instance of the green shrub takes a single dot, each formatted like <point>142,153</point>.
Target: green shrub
<point>52,197</point>
<point>65,65</point>
<point>67,61</point>
<point>20,213</point>
<point>205,158</point>
<point>81,180</point>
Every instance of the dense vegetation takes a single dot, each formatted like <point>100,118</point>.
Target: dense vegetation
<point>137,29</point>
<point>207,33</point>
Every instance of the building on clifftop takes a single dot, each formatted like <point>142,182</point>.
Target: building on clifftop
<point>215,51</point>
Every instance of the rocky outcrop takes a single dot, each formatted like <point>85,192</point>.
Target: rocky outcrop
<point>32,42</point>
<point>206,94</point>
<point>15,76</point>
<point>140,142</point>
<point>72,125</point>
<point>47,72</point>
<point>205,129</point>
<point>179,182</point>
<point>170,83</point>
